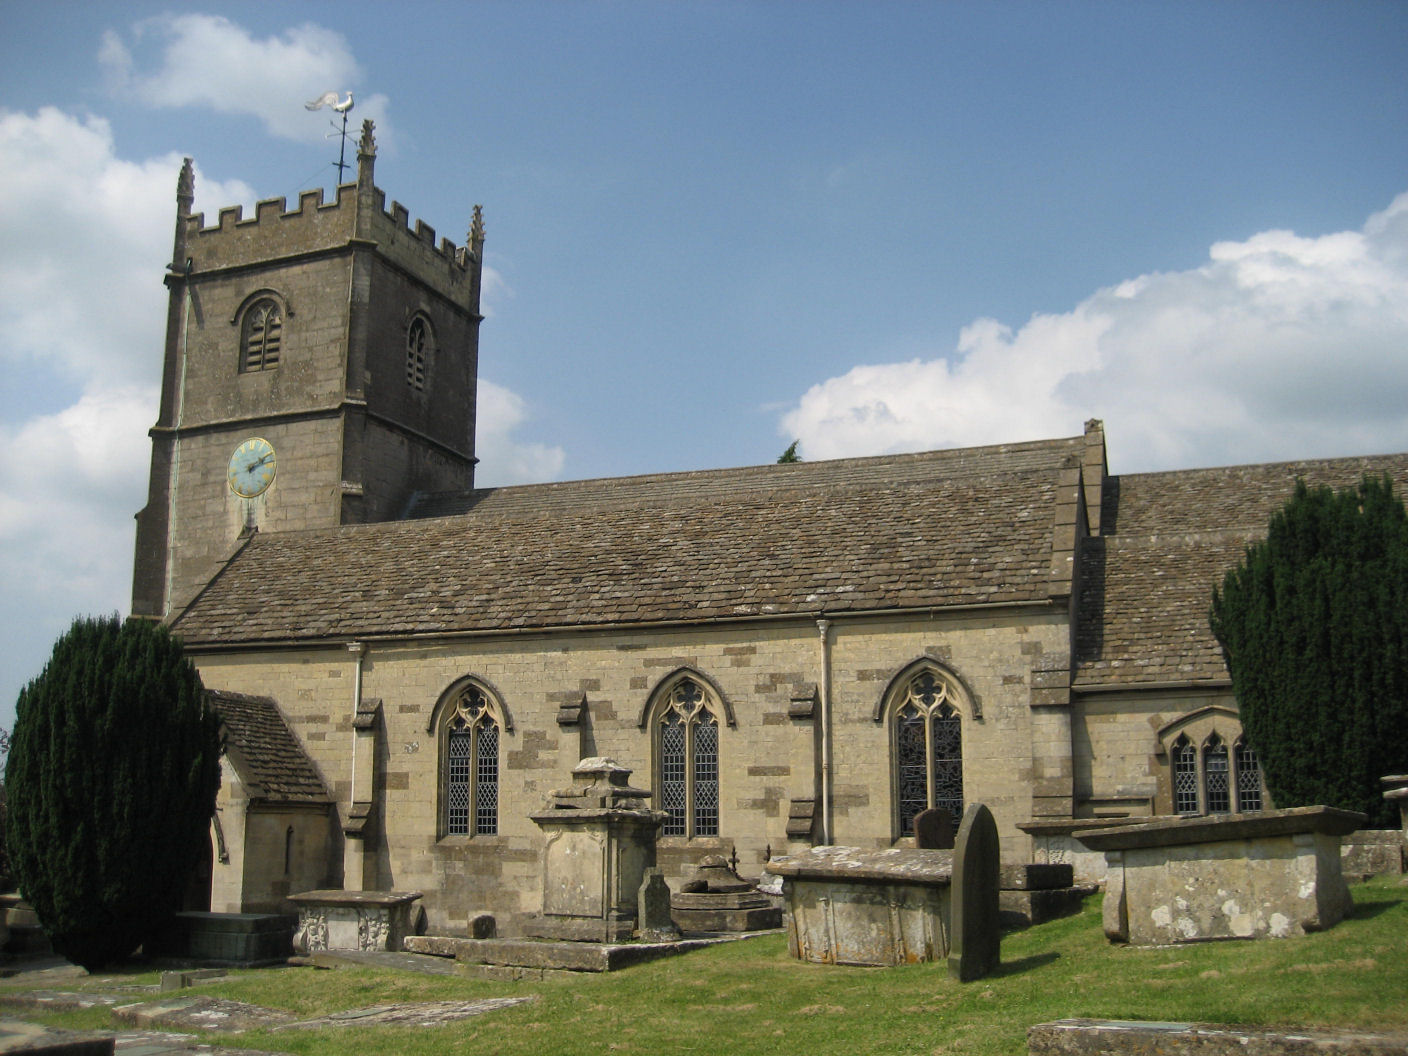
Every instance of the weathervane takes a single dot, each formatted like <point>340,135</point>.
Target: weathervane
<point>329,99</point>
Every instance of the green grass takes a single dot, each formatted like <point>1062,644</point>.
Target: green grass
<point>749,997</point>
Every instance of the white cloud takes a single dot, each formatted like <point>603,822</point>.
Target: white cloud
<point>502,458</point>
<point>209,61</point>
<point>1278,347</point>
<point>87,236</point>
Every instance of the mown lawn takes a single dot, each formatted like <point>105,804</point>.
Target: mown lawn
<point>749,997</point>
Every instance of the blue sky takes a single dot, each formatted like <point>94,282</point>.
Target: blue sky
<point>717,227</point>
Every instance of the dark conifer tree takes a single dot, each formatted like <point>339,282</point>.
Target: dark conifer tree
<point>111,785</point>
<point>1314,627</point>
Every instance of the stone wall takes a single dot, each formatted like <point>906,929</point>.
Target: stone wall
<point>768,755</point>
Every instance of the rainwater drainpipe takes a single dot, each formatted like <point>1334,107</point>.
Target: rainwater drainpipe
<point>823,627</point>
<point>358,650</point>
<point>172,503</point>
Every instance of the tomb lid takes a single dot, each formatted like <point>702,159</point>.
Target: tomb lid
<point>715,876</point>
<point>1164,832</point>
<point>894,864</point>
<point>604,783</point>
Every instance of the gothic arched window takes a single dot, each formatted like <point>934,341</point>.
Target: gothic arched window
<point>927,739</point>
<point>419,344</point>
<point>1217,778</point>
<point>261,335</point>
<point>469,765</point>
<point>1185,776</point>
<point>1248,777</point>
<point>686,733</point>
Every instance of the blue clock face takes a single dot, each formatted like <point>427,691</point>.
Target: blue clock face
<point>251,468</point>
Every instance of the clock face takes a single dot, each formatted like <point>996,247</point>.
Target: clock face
<point>251,468</point>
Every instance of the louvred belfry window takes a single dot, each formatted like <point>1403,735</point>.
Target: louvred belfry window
<point>261,336</point>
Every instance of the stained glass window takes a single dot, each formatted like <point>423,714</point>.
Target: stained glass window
<point>262,336</point>
<point>928,744</point>
<point>471,792</point>
<point>687,749</point>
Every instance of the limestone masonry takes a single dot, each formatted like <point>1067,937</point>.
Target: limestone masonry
<point>409,667</point>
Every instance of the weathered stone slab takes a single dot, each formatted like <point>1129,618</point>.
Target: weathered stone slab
<point>524,958</point>
<point>201,1013</point>
<point>34,1040</point>
<point>1372,852</point>
<point>410,1014</point>
<point>653,915</point>
<point>975,932</point>
<point>232,939</point>
<point>1089,1037</point>
<point>1265,875</point>
<point>58,1000</point>
<point>933,830</point>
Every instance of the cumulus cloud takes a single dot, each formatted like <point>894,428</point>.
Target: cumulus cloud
<point>208,61</point>
<point>87,237</point>
<point>1279,346</point>
<point>503,459</point>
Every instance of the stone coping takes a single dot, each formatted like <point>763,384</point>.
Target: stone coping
<point>905,865</point>
<point>1075,1037</point>
<point>335,897</point>
<point>1166,832</point>
<point>596,814</point>
<point>1069,826</point>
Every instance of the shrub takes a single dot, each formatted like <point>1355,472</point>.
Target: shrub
<point>1314,626</point>
<point>111,784</point>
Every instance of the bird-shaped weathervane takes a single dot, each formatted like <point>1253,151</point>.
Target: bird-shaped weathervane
<point>329,99</point>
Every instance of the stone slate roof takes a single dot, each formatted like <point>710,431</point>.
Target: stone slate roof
<point>267,756</point>
<point>1146,584</point>
<point>943,528</point>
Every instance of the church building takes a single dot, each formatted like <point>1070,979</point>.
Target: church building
<point>785,655</point>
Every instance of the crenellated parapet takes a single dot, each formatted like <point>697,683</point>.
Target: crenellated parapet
<point>356,216</point>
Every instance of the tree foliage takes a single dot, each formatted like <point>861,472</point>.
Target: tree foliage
<point>111,784</point>
<point>1314,627</point>
<point>790,455</point>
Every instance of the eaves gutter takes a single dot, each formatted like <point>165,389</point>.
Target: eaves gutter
<point>801,617</point>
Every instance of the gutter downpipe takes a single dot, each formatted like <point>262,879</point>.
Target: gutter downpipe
<point>359,651</point>
<point>823,627</point>
<point>176,441</point>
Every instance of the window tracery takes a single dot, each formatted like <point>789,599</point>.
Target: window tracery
<point>927,739</point>
<point>687,759</point>
<point>470,765</point>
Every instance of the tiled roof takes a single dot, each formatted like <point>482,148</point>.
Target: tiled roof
<point>1146,585</point>
<point>937,529</point>
<point>268,757</point>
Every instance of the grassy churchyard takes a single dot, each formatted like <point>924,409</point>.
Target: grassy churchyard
<point>750,997</point>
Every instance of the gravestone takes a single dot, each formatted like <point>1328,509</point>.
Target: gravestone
<point>973,923</point>
<point>933,830</point>
<point>653,912</point>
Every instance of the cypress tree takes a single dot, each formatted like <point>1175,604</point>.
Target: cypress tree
<point>1314,627</point>
<point>111,784</point>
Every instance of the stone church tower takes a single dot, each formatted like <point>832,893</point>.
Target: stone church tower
<point>320,368</point>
